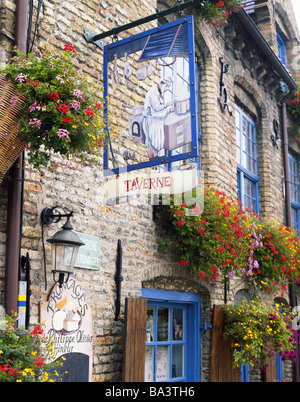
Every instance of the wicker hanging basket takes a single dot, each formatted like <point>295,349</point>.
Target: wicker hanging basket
<point>11,143</point>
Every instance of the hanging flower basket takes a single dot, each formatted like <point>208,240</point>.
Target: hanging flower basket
<point>55,107</point>
<point>11,143</point>
<point>258,331</point>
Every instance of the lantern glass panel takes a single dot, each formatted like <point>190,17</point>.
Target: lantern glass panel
<point>64,256</point>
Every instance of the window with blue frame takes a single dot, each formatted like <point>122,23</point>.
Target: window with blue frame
<point>246,154</point>
<point>172,336</point>
<point>281,53</point>
<point>281,49</point>
<point>294,190</point>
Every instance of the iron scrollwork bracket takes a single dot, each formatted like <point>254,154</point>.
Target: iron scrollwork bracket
<point>223,99</point>
<point>275,137</point>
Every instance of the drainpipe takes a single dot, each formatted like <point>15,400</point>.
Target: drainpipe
<point>15,191</point>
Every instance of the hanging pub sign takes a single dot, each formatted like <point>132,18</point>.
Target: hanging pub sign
<point>67,319</point>
<point>150,83</point>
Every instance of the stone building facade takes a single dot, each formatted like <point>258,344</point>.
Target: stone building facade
<point>254,88</point>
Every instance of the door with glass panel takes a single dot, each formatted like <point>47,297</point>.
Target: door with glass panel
<point>166,346</point>
<point>172,339</point>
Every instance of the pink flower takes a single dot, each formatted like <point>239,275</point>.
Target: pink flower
<point>75,105</point>
<point>13,101</point>
<point>32,107</point>
<point>63,133</point>
<point>35,122</point>
<point>21,78</point>
<point>78,93</point>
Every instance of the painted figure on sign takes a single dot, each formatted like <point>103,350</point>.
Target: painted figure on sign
<point>155,113</point>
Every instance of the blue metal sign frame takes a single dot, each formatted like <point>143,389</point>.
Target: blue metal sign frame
<point>133,44</point>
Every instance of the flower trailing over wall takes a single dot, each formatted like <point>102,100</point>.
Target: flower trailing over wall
<point>258,331</point>
<point>274,257</point>
<point>213,242</point>
<point>216,12</point>
<point>294,109</point>
<point>63,111</point>
<point>24,354</point>
<point>226,241</point>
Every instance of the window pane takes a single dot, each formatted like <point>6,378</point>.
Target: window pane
<point>244,126</point>
<point>178,324</point>
<point>253,169</point>
<point>163,324</point>
<point>149,364</point>
<point>238,155</point>
<point>237,119</point>
<point>247,186</point>
<point>177,361</point>
<point>150,324</point>
<point>162,363</point>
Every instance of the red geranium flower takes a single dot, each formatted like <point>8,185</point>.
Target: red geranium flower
<point>39,362</point>
<point>67,119</point>
<point>64,108</point>
<point>69,48</point>
<point>54,96</point>
<point>89,111</point>
<point>180,222</point>
<point>182,262</point>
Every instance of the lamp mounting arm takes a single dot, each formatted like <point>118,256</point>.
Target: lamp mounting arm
<point>48,216</point>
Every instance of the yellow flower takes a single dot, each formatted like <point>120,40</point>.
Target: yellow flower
<point>34,352</point>
<point>1,351</point>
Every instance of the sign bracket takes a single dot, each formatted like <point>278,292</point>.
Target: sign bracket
<point>98,39</point>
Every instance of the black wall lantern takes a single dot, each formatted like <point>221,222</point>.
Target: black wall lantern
<point>65,245</point>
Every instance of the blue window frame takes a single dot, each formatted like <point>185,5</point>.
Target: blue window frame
<point>281,49</point>
<point>173,336</point>
<point>246,161</point>
<point>294,190</point>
